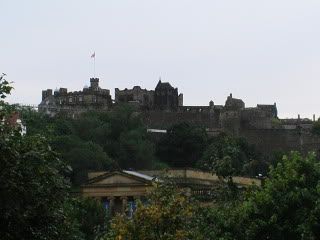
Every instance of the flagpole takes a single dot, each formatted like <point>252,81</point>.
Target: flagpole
<point>94,63</point>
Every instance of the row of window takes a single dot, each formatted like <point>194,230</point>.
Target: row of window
<point>78,99</point>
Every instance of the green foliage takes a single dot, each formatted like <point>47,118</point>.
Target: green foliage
<point>182,146</point>
<point>288,206</point>
<point>168,215</point>
<point>5,109</point>
<point>96,141</point>
<point>5,87</point>
<point>90,215</point>
<point>33,190</point>
<point>86,157</point>
<point>227,156</point>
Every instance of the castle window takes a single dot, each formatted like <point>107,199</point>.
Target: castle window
<point>80,99</point>
<point>94,99</point>
<point>70,99</point>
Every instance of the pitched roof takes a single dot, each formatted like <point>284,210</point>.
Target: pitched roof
<point>163,85</point>
<point>137,177</point>
<point>133,173</point>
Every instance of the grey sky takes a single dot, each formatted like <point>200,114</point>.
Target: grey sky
<point>263,51</point>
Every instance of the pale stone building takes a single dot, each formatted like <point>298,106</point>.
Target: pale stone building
<point>119,190</point>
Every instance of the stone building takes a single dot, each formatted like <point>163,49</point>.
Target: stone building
<point>234,103</point>
<point>142,97</point>
<point>90,98</point>
<point>119,190</point>
<point>166,97</point>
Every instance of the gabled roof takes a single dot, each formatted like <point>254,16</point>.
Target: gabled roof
<point>163,85</point>
<point>120,178</point>
<point>133,173</point>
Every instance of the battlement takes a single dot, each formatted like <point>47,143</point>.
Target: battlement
<point>164,102</point>
<point>92,97</point>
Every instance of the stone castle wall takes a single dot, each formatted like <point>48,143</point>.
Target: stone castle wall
<point>163,107</point>
<point>163,120</point>
<point>269,140</point>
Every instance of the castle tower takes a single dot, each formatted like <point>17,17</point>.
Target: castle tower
<point>94,83</point>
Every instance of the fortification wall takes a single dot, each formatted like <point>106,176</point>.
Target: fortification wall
<point>165,119</point>
<point>269,140</point>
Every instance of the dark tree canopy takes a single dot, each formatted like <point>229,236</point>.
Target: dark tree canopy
<point>183,145</point>
<point>96,141</point>
<point>33,188</point>
<point>227,156</point>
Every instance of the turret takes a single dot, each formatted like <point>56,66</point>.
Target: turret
<point>94,83</point>
<point>46,93</point>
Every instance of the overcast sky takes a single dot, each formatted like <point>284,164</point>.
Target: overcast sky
<point>262,51</point>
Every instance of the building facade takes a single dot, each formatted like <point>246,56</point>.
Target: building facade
<point>62,101</point>
<point>119,190</point>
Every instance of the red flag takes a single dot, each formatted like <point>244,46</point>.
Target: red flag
<point>93,55</point>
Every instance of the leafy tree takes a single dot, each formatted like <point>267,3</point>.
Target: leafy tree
<point>288,205</point>
<point>127,139</point>
<point>228,156</point>
<point>168,215</point>
<point>182,146</point>
<point>32,187</point>
<point>86,157</point>
<point>5,87</point>
<point>96,141</point>
<point>92,217</point>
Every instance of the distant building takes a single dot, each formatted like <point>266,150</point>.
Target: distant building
<point>14,122</point>
<point>142,97</point>
<point>234,103</point>
<point>163,107</point>
<point>90,98</point>
<point>119,190</point>
<point>166,97</point>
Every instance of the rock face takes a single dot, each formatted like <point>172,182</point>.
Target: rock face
<point>163,107</point>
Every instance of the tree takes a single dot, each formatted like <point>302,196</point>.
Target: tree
<point>168,215</point>
<point>228,156</point>
<point>92,217</point>
<point>86,157</point>
<point>183,145</point>
<point>288,206</point>
<point>118,135</point>
<point>33,189</point>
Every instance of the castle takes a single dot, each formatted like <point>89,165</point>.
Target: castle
<point>163,107</point>
<point>165,100</point>
<point>62,101</point>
